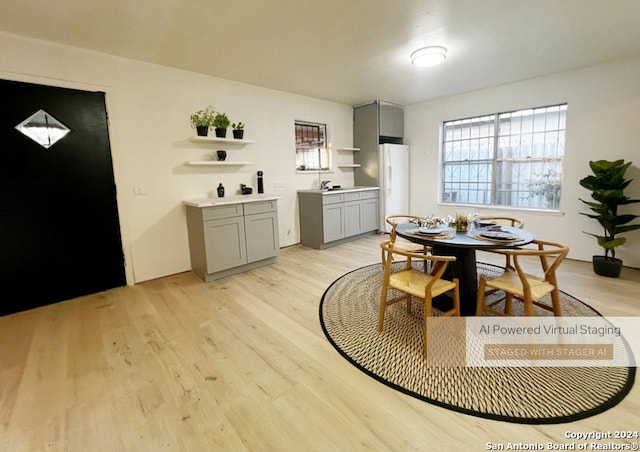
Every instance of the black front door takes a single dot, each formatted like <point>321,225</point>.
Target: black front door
<point>59,227</point>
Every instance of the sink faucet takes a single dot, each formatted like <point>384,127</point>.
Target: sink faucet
<point>324,184</point>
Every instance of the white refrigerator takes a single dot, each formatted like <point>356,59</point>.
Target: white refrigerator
<point>393,180</point>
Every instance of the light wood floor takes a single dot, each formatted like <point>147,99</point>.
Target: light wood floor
<point>240,364</point>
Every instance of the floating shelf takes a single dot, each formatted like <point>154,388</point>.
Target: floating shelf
<point>349,149</point>
<point>208,139</point>
<point>215,163</point>
<point>351,165</point>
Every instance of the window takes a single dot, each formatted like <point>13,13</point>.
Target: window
<point>505,159</point>
<point>312,153</point>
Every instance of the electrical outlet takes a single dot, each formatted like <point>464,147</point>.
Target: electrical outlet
<point>139,189</point>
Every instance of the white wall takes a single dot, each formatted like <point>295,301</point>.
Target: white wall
<point>149,108</point>
<point>603,122</point>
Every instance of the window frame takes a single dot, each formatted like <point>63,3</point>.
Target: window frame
<point>321,154</point>
<point>544,163</point>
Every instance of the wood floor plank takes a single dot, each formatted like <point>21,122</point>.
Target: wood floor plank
<point>240,363</point>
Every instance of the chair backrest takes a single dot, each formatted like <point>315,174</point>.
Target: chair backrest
<point>395,220</point>
<point>438,263</point>
<point>504,221</point>
<point>551,254</point>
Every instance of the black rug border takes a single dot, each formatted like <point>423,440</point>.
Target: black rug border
<point>613,401</point>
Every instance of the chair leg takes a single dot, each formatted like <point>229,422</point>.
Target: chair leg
<point>480,304</point>
<point>508,304</point>
<point>409,304</point>
<point>528,306</point>
<point>456,298</point>
<point>383,305</point>
<point>427,313</point>
<point>555,299</point>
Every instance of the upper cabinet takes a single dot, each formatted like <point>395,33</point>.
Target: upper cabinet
<point>391,119</point>
<point>374,123</point>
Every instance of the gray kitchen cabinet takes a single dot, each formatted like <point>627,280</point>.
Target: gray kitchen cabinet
<point>370,210</point>
<point>352,218</point>
<point>391,120</point>
<point>332,222</point>
<point>261,229</point>
<point>232,238</point>
<point>353,213</point>
<point>328,218</point>
<point>224,244</point>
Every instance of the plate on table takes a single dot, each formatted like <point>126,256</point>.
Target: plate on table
<point>485,223</point>
<point>431,231</point>
<point>499,235</point>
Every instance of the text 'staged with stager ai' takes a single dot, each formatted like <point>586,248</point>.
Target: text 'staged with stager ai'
<point>534,341</point>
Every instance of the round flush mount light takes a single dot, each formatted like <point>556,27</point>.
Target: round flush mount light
<point>428,56</point>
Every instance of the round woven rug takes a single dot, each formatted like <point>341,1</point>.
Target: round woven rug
<point>530,395</point>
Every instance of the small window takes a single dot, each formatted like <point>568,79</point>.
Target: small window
<point>510,159</point>
<point>312,153</point>
<point>43,128</point>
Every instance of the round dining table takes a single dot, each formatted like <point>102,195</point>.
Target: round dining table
<point>463,246</point>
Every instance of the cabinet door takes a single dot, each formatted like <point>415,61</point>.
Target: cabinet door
<point>391,121</point>
<point>352,218</point>
<point>370,210</point>
<point>332,222</point>
<point>262,236</point>
<point>224,243</point>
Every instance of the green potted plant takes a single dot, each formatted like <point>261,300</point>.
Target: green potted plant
<point>201,120</point>
<point>238,130</point>
<point>221,122</point>
<point>607,184</point>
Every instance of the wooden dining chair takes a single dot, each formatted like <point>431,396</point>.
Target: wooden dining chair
<point>400,243</point>
<point>415,283</point>
<point>528,287</point>
<point>503,221</point>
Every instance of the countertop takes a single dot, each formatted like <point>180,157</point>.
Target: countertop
<point>340,190</point>
<point>234,199</point>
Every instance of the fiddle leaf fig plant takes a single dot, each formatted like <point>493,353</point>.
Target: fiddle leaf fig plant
<point>607,184</point>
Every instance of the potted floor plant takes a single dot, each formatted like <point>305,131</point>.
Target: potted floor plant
<point>220,123</point>
<point>238,130</point>
<point>202,120</point>
<point>607,184</point>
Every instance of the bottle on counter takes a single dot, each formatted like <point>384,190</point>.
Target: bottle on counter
<point>220,190</point>
<point>260,182</point>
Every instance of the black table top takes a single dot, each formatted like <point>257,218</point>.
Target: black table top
<point>410,232</point>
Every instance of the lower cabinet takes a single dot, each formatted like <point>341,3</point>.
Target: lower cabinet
<point>353,218</point>
<point>224,243</point>
<point>327,219</point>
<point>333,222</point>
<point>229,239</point>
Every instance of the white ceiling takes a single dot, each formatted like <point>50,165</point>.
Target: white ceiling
<point>349,51</point>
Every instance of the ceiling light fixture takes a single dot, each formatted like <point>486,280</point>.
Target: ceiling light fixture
<point>428,56</point>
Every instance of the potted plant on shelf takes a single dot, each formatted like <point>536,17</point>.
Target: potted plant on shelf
<point>238,130</point>
<point>221,122</point>
<point>607,186</point>
<point>201,120</point>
